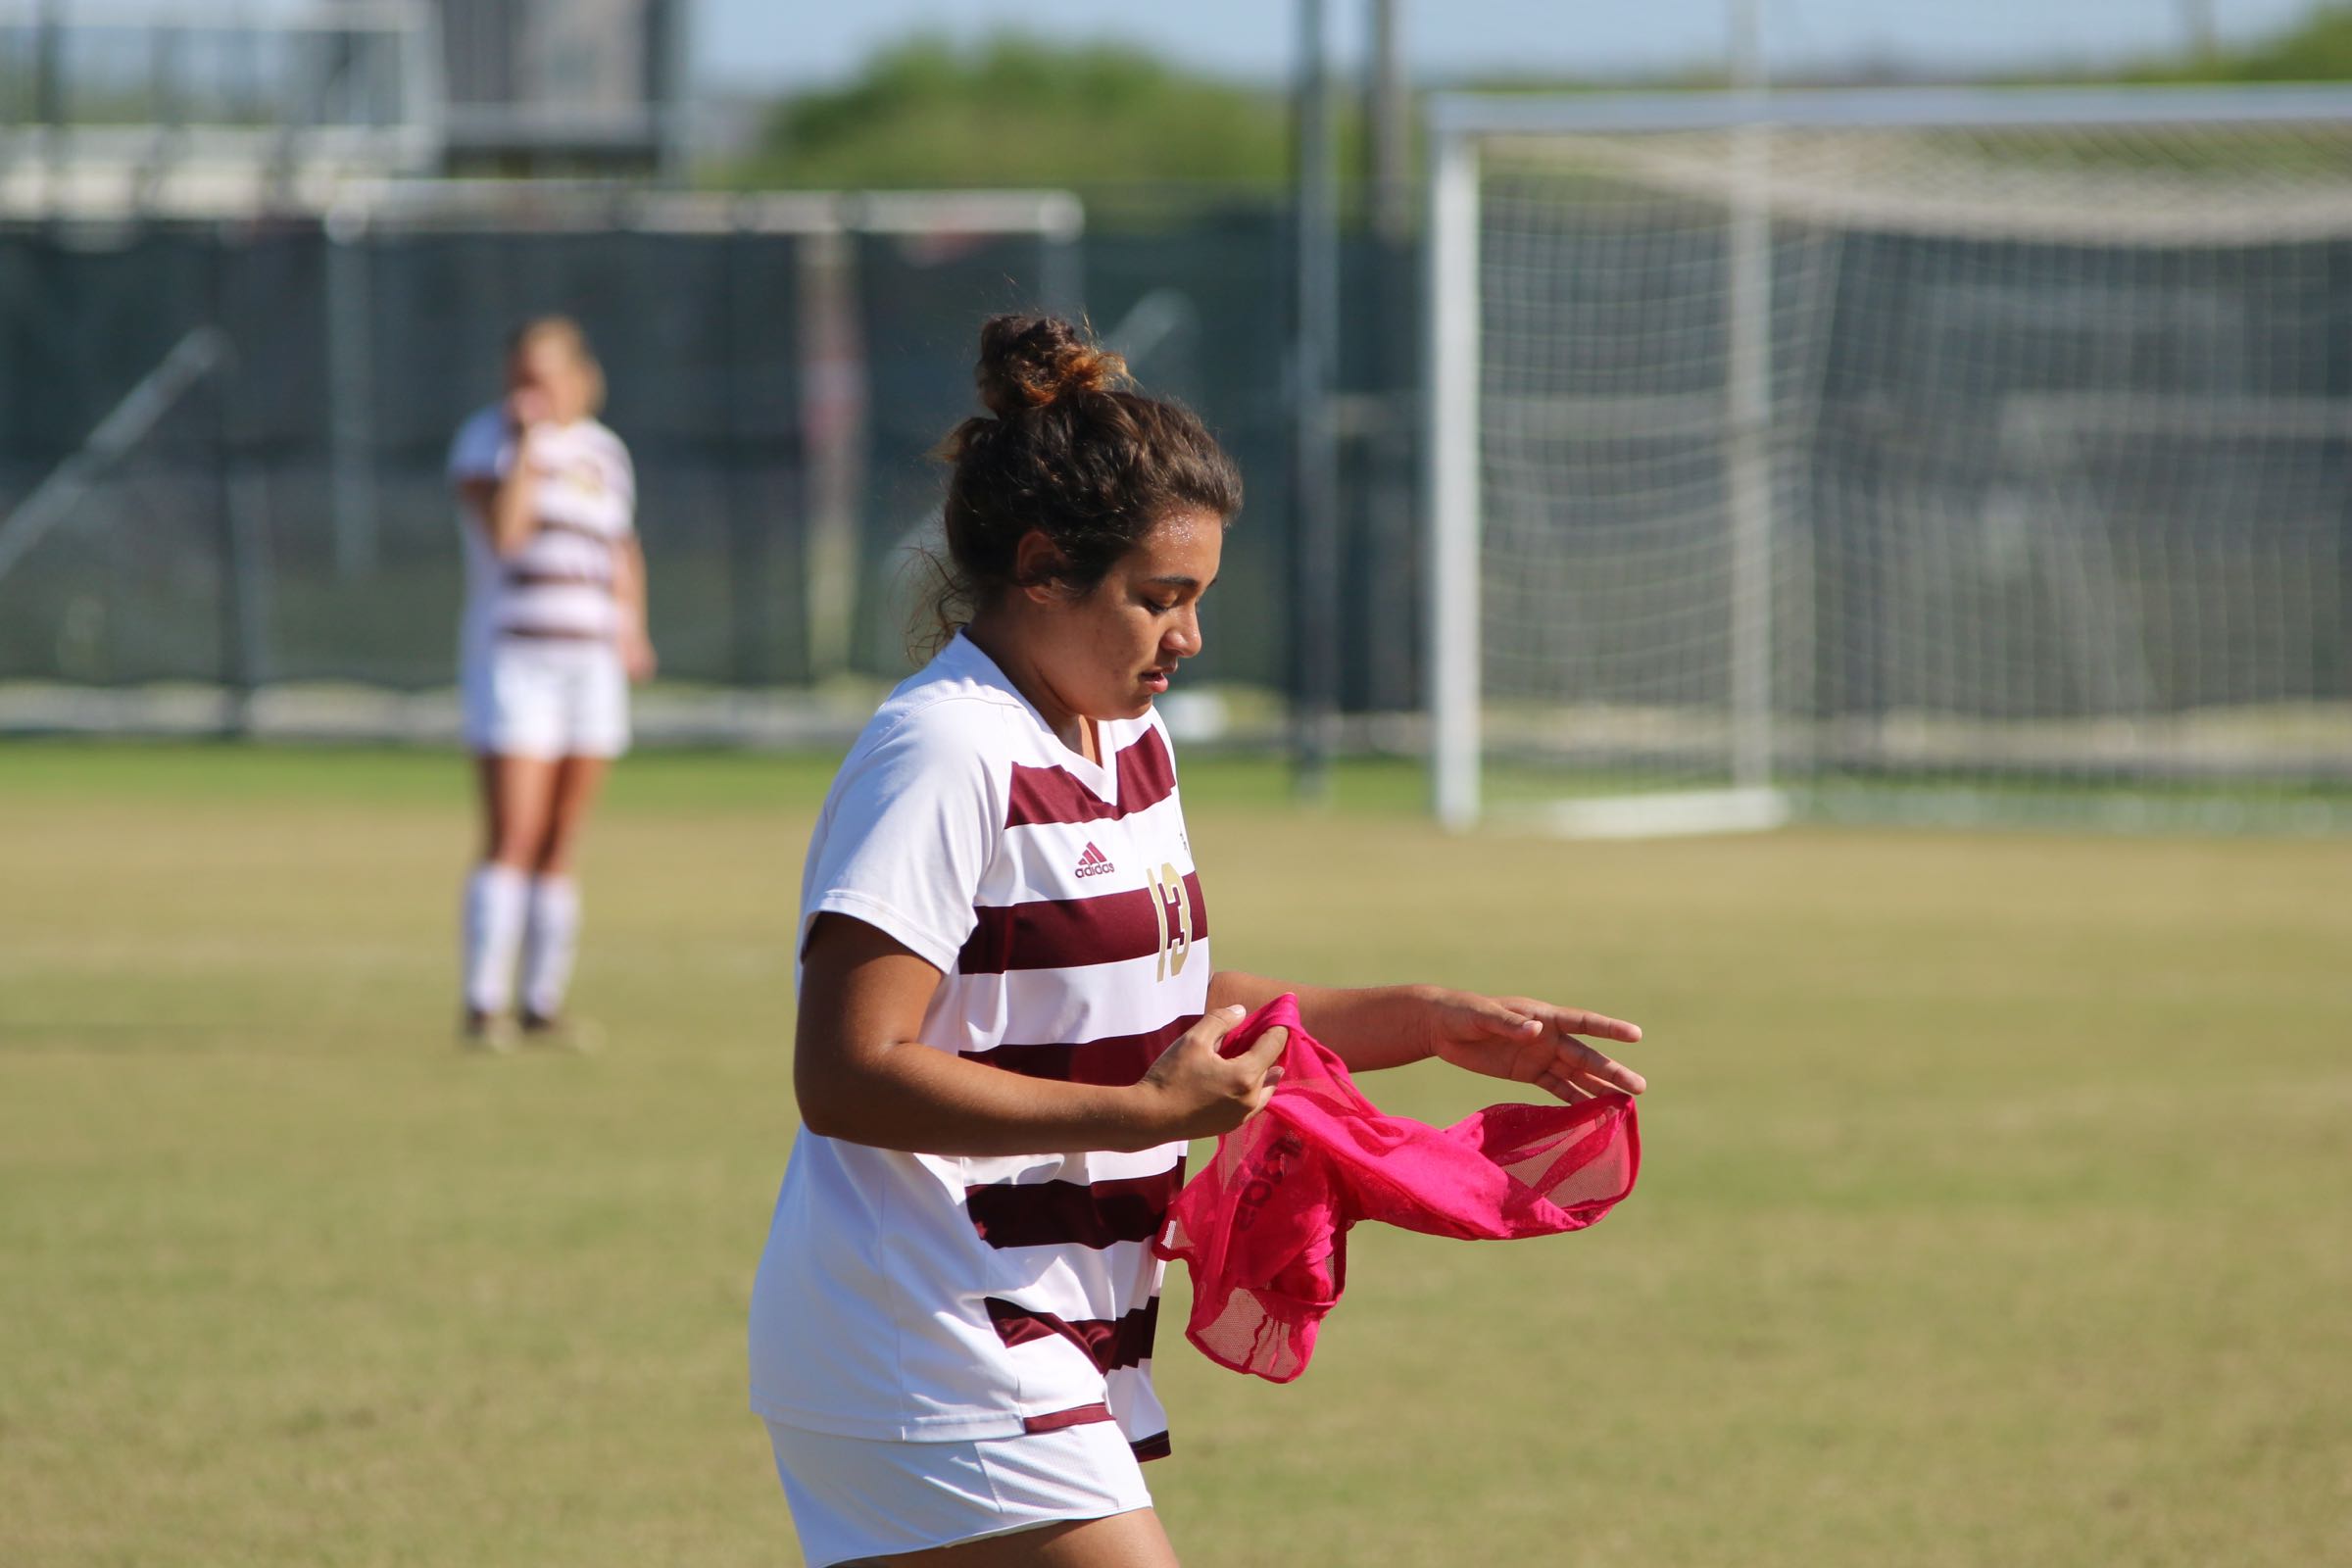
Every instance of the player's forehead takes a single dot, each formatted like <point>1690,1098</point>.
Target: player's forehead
<point>1184,545</point>
<point>541,356</point>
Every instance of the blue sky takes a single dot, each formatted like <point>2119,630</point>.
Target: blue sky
<point>766,44</point>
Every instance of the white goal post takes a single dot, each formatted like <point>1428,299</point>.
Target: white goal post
<point>1935,454</point>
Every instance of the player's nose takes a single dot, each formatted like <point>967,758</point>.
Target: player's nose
<point>1183,639</point>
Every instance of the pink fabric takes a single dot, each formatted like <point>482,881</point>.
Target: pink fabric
<point>1264,1226</point>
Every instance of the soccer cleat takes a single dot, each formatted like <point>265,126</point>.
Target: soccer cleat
<point>576,1035</point>
<point>486,1032</point>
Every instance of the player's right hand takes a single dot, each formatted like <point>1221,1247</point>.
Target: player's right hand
<point>1192,1092</point>
<point>527,405</point>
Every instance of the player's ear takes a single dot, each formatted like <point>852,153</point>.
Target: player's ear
<point>1038,566</point>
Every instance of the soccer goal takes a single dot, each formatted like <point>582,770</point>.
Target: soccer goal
<point>1935,454</point>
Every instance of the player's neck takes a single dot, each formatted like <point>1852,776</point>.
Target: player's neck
<point>1004,648</point>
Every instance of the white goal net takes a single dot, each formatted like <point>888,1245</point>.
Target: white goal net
<point>1942,455</point>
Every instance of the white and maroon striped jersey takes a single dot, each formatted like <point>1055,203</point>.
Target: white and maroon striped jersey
<point>929,1297</point>
<point>559,583</point>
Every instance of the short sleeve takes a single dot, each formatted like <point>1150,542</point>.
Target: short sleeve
<point>624,473</point>
<point>912,830</point>
<point>480,450</point>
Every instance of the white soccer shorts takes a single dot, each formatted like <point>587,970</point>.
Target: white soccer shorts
<point>546,697</point>
<point>853,1497</point>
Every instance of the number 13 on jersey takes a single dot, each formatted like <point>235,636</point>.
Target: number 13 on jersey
<point>1174,912</point>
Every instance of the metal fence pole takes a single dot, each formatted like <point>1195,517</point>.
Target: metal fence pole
<point>350,390</point>
<point>1390,594</point>
<point>49,99</point>
<point>1314,499</point>
<point>751,541</point>
<point>244,566</point>
<point>1748,454</point>
<point>833,382</point>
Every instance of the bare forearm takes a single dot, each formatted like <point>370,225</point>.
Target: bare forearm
<point>628,582</point>
<point>512,518</point>
<point>1368,1027</point>
<point>911,1096</point>
<point>861,1076</point>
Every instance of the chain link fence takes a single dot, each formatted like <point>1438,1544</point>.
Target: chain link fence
<point>781,369</point>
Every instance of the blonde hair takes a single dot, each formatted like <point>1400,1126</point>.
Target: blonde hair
<point>568,334</point>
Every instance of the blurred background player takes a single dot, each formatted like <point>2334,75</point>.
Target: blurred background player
<point>553,632</point>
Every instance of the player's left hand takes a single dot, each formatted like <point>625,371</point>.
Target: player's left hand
<point>1531,1042</point>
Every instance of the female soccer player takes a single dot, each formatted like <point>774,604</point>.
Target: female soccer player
<point>1008,1023</point>
<point>553,632</point>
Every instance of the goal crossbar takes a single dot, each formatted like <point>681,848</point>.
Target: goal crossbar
<point>1478,115</point>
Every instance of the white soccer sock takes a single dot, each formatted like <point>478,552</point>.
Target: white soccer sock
<point>554,941</point>
<point>495,898</point>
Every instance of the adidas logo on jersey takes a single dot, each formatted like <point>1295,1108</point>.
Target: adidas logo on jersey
<point>1093,862</point>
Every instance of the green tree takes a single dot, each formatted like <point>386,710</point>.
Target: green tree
<point>2317,49</point>
<point>1015,110</point>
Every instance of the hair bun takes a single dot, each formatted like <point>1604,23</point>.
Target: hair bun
<point>1027,362</point>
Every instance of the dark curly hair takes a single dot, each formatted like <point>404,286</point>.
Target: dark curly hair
<point>1069,451</point>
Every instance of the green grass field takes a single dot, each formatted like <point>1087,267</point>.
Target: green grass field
<point>1997,1202</point>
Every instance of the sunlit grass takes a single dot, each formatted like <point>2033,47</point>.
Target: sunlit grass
<point>1994,1208</point>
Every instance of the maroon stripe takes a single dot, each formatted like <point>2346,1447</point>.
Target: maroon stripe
<point>1070,933</point>
<point>1052,795</point>
<point>1154,1446</point>
<point>1072,1213</point>
<point>1115,1060</point>
<point>1077,1415</point>
<point>556,634</point>
<point>556,579</point>
<point>1147,776</point>
<point>1110,1343</point>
